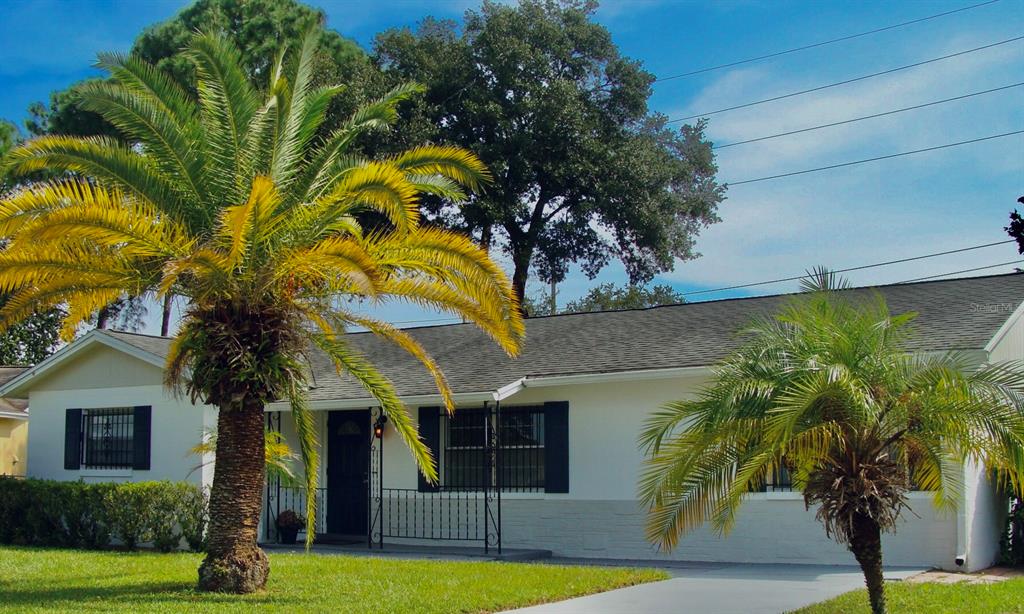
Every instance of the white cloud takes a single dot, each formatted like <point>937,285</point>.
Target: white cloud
<point>874,212</point>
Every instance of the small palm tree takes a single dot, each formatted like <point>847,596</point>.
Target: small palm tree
<point>270,229</point>
<point>278,459</point>
<point>826,391</point>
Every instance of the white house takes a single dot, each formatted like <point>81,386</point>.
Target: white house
<point>542,452</point>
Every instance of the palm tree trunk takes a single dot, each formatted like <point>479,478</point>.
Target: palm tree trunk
<point>234,563</point>
<point>866,545</point>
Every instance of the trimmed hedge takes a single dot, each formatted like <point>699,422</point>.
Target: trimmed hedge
<point>80,515</point>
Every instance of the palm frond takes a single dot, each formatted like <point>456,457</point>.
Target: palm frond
<point>349,361</point>
<point>152,125</point>
<point>381,188</point>
<point>105,160</point>
<point>324,169</point>
<point>455,163</point>
<point>227,103</point>
<point>305,428</point>
<point>243,226</point>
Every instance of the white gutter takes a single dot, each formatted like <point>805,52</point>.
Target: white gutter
<point>15,416</point>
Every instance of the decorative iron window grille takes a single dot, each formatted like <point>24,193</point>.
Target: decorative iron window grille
<point>518,463</point>
<point>108,438</point>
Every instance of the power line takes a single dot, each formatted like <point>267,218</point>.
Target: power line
<point>857,119</point>
<point>855,268</point>
<point>875,159</point>
<point>823,43</point>
<point>980,268</point>
<point>846,81</point>
<point>799,277</point>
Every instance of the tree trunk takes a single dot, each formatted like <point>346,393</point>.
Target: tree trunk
<point>521,274</point>
<point>486,236</point>
<point>165,321</point>
<point>554,297</point>
<point>234,563</point>
<point>101,318</point>
<point>866,545</point>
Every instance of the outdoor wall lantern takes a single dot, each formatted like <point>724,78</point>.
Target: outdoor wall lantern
<point>378,426</point>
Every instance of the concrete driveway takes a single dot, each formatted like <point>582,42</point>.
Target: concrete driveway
<point>715,588</point>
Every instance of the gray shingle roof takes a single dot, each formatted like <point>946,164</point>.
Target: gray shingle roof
<point>960,314</point>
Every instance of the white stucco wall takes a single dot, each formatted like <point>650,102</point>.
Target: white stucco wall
<point>600,515</point>
<point>177,424</point>
<point>986,505</point>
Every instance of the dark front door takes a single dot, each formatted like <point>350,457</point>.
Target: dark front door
<point>348,449</point>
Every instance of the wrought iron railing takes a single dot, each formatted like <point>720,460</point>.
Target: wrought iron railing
<point>469,510</point>
<point>442,514</point>
<point>281,498</point>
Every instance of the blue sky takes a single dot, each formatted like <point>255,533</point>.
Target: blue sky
<point>847,217</point>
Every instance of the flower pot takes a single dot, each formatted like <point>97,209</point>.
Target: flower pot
<point>287,535</point>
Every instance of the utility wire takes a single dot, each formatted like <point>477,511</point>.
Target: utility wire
<point>857,119</point>
<point>855,268</point>
<point>875,159</point>
<point>980,268</point>
<point>859,268</point>
<point>823,43</point>
<point>846,81</point>
<point>798,277</point>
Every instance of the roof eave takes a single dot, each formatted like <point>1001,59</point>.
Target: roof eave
<point>1005,328</point>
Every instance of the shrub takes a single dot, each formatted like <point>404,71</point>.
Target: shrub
<point>194,514</point>
<point>76,514</point>
<point>45,517</point>
<point>130,508</point>
<point>85,513</point>
<point>1011,546</point>
<point>164,517</point>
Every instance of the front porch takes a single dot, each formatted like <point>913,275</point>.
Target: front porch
<point>372,497</point>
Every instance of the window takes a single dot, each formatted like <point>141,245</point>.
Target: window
<point>518,463</point>
<point>108,438</point>
<point>779,481</point>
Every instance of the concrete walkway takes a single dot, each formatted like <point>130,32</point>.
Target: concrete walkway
<point>722,589</point>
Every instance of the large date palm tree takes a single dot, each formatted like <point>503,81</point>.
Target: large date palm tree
<point>270,229</point>
<point>826,390</point>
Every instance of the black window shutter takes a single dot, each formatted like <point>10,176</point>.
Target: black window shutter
<point>72,439</point>
<point>430,433</point>
<point>142,423</point>
<point>556,446</point>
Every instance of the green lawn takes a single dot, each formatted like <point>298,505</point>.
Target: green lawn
<point>1002,598</point>
<point>43,580</point>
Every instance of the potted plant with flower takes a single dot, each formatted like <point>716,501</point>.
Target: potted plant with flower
<point>289,524</point>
